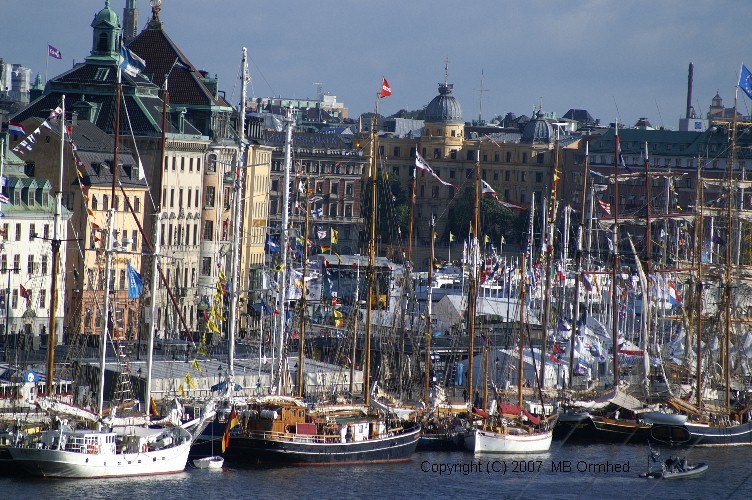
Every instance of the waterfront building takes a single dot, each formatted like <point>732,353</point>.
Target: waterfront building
<point>26,229</point>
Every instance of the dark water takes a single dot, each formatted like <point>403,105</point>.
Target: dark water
<point>729,476</point>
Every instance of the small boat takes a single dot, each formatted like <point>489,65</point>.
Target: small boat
<point>673,467</point>
<point>214,462</point>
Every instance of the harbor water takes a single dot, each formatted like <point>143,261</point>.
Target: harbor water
<point>567,471</point>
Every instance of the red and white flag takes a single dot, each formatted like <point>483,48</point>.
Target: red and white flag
<point>605,206</point>
<point>386,90</point>
<point>53,52</point>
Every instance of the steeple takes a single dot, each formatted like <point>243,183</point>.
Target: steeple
<point>105,46</point>
<point>130,20</point>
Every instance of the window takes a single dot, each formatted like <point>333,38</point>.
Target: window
<point>523,175</point>
<point>122,279</point>
<point>30,265</point>
<point>524,157</point>
<point>190,164</point>
<point>332,210</point>
<point>496,175</point>
<point>180,198</point>
<point>538,177</point>
<point>275,185</point>
<point>453,154</point>
<point>436,153</point>
<point>182,164</point>
<point>348,210</point>
<point>195,233</point>
<point>206,266</point>
<point>452,173</point>
<point>208,230</point>
<point>16,264</point>
<point>422,191</point>
<point>540,157</point>
<point>209,197</point>
<point>349,187</point>
<point>4,263</point>
<point>44,265</point>
<point>32,232</point>
<point>334,188</point>
<point>189,199</point>
<point>509,156</point>
<point>14,302</point>
<point>395,171</point>
<point>496,157</point>
<point>134,243</point>
<point>468,173</point>
<point>162,236</point>
<point>18,232</point>
<point>172,197</point>
<point>105,203</point>
<point>47,231</point>
<point>137,204</point>
<point>396,151</point>
<point>506,176</point>
<point>42,298</point>
<point>435,192</point>
<point>470,154</point>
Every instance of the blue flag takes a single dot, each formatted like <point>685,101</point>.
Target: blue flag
<point>130,63</point>
<point>134,282</point>
<point>745,81</point>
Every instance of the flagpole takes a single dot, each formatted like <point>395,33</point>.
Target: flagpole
<point>153,308</point>
<point>46,65</point>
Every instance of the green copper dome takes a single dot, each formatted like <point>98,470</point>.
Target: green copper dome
<point>106,16</point>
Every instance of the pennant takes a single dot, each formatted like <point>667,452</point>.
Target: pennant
<point>189,381</point>
<point>386,90</point>
<point>196,366</point>
<point>334,236</point>
<point>605,206</point>
<point>421,164</point>
<point>451,236</point>
<point>55,112</point>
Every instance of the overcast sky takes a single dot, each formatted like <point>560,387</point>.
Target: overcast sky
<point>618,59</point>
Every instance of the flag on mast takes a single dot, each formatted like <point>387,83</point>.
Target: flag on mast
<point>422,164</point>
<point>386,90</point>
<point>53,52</point>
<point>745,81</point>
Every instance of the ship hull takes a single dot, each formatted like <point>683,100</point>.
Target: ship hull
<point>480,441</point>
<point>295,451</point>
<point>67,464</point>
<point>705,435</point>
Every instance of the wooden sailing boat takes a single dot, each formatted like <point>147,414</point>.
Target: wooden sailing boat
<point>283,430</point>
<point>511,429</point>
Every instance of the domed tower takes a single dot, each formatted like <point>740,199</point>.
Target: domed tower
<point>444,128</point>
<point>538,131</point>
<point>107,28</point>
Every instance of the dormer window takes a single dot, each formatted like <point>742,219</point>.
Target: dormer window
<point>101,74</point>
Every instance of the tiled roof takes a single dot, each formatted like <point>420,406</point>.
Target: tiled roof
<point>160,52</point>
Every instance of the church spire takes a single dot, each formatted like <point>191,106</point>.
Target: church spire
<point>105,38</point>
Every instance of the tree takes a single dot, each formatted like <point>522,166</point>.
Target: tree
<point>495,219</point>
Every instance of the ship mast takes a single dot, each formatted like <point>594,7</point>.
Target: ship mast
<point>408,270</point>
<point>51,340</point>
<point>579,270</point>
<point>615,268</point>
<point>472,286</point>
<point>371,258</point>
<point>284,241</point>
<point>429,300</point>
<point>303,288</point>
<point>237,226</point>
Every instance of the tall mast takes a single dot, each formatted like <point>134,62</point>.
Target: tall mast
<point>549,249</point>
<point>429,300</point>
<point>285,236</point>
<point>301,340</point>
<point>237,224</point>
<point>52,330</point>
<point>408,269</point>
<point>472,286</point>
<point>648,263</point>
<point>729,235</point>
<point>108,254</point>
<point>579,271</point>
<point>697,255</point>
<point>615,268</point>
<point>520,362</point>
<point>371,258</point>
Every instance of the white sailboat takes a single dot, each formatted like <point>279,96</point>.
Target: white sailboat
<point>117,446</point>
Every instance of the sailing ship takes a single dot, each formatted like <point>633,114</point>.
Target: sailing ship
<point>280,429</point>
<point>105,445</point>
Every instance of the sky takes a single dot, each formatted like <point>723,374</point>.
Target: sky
<point>619,59</point>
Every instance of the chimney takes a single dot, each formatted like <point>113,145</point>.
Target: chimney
<point>690,77</point>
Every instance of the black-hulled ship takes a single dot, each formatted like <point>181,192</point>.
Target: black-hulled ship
<point>280,430</point>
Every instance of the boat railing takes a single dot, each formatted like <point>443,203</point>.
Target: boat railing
<point>297,438</point>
